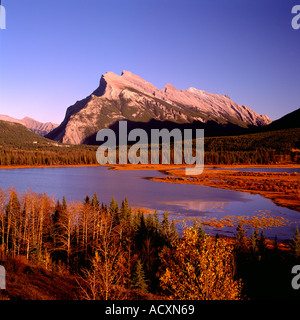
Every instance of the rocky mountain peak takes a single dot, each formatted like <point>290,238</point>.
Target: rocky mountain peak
<point>130,97</point>
<point>169,88</point>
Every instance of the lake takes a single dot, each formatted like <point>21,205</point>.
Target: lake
<point>180,200</point>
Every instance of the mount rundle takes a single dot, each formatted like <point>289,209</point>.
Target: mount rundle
<point>129,97</point>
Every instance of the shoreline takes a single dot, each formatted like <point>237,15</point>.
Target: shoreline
<point>281,188</point>
<point>154,166</point>
<point>52,166</point>
<point>218,178</point>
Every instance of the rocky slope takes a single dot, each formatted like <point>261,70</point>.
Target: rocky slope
<point>33,125</point>
<point>130,97</point>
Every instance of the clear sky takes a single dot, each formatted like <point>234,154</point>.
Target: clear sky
<point>54,52</point>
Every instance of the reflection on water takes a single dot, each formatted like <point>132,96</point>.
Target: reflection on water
<point>178,199</point>
<point>199,208</point>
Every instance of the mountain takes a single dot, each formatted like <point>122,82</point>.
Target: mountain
<point>33,125</point>
<point>16,135</point>
<point>130,97</point>
<point>38,127</point>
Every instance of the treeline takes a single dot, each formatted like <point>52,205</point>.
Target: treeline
<point>86,157</point>
<point>118,253</point>
<point>260,156</point>
<point>45,158</point>
<point>281,141</point>
<point>260,148</point>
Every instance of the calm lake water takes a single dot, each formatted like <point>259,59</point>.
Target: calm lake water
<point>180,200</point>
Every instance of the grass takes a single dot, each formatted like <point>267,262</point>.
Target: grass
<point>28,281</point>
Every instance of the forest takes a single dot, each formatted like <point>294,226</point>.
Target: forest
<point>113,252</point>
<point>259,148</point>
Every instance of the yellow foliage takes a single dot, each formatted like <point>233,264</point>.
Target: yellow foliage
<point>200,270</point>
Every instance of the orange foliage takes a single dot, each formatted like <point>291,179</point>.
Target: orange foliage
<point>200,270</point>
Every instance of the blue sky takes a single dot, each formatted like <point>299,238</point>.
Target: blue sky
<point>54,52</point>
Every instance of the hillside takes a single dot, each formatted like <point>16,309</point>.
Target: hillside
<point>21,147</point>
<point>280,141</point>
<point>290,120</point>
<point>271,147</point>
<point>15,135</point>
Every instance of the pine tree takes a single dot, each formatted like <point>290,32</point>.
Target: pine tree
<point>95,202</point>
<point>87,199</point>
<point>165,223</point>
<point>156,221</point>
<point>240,236</point>
<point>262,245</point>
<point>295,244</point>
<point>64,203</point>
<point>138,280</point>
<point>254,240</point>
<point>114,208</point>
<point>173,232</point>
<point>125,213</point>
<point>200,231</point>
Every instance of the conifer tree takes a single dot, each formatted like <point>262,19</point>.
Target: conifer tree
<point>173,231</point>
<point>254,240</point>
<point>125,212</point>
<point>295,244</point>
<point>87,199</point>
<point>240,237</point>
<point>165,223</point>
<point>64,203</point>
<point>114,209</point>
<point>156,221</point>
<point>262,245</point>
<point>138,280</point>
<point>95,202</point>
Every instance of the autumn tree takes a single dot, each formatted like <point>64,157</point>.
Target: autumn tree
<point>12,223</point>
<point>203,272</point>
<point>109,276</point>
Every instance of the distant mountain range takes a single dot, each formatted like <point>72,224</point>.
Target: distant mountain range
<point>33,125</point>
<point>16,135</point>
<point>129,97</point>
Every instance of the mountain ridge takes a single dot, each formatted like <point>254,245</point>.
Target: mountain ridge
<point>129,97</point>
<point>33,125</point>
